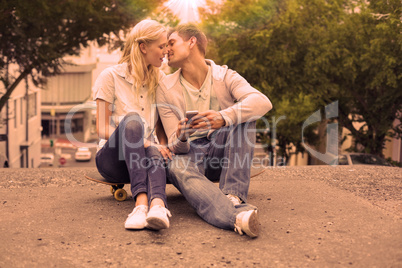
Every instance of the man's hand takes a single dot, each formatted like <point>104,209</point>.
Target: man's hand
<point>208,120</point>
<point>184,130</point>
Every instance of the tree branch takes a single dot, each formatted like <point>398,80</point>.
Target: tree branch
<point>10,90</point>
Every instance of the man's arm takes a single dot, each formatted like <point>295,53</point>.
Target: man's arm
<point>251,104</point>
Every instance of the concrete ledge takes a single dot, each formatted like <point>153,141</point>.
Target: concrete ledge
<point>310,216</point>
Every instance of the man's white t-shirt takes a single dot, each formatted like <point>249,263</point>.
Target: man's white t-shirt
<point>201,100</point>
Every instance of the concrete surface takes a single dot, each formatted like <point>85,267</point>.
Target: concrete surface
<point>314,216</point>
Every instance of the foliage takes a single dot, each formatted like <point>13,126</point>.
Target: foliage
<point>369,76</point>
<point>35,35</point>
<point>305,54</point>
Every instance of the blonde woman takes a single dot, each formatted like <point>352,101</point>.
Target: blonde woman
<point>126,120</point>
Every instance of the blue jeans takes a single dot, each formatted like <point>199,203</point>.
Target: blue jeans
<point>225,157</point>
<point>124,159</point>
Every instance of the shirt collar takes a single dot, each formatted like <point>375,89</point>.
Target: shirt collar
<point>122,70</point>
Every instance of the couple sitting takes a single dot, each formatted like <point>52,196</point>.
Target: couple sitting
<point>134,98</point>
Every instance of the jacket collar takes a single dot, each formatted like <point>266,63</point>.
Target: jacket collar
<point>218,74</point>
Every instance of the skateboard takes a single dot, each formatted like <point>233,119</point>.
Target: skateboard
<point>115,188</point>
<point>121,195</point>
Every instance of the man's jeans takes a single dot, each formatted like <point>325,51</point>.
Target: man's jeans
<point>226,158</point>
<point>124,159</point>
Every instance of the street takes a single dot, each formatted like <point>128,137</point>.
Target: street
<point>64,149</point>
<point>313,216</point>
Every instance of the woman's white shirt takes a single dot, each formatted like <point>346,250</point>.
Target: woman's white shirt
<point>115,85</point>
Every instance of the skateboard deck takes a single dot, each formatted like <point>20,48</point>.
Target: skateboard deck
<point>121,195</point>
<point>115,188</point>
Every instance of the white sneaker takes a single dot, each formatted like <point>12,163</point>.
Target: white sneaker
<point>137,218</point>
<point>234,199</point>
<point>247,222</point>
<point>158,218</point>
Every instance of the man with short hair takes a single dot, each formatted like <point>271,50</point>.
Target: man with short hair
<point>217,144</point>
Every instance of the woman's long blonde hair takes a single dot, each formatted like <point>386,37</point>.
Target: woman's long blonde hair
<point>146,31</point>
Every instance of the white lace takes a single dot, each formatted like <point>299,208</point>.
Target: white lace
<point>164,209</point>
<point>237,229</point>
<point>168,212</point>
<point>234,199</point>
<point>139,209</point>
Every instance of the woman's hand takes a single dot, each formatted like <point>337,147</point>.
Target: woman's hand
<point>164,150</point>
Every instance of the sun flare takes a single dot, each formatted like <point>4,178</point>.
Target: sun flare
<point>186,10</point>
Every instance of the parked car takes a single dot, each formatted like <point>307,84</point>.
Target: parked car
<point>47,159</point>
<point>3,161</point>
<point>360,159</point>
<point>83,154</point>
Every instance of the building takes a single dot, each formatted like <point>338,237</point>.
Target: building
<point>69,96</point>
<point>20,127</point>
<point>67,92</point>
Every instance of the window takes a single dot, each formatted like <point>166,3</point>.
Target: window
<point>15,113</point>
<point>32,109</point>
<point>1,120</point>
<point>21,112</point>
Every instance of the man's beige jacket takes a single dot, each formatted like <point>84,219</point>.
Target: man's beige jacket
<point>238,100</point>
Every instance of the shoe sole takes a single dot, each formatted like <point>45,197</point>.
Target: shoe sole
<point>156,223</point>
<point>134,227</point>
<point>253,225</point>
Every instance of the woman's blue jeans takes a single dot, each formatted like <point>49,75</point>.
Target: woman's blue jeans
<point>124,159</point>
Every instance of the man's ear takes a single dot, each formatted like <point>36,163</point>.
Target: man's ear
<point>193,41</point>
<point>143,48</point>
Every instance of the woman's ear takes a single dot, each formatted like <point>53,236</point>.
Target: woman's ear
<point>143,48</point>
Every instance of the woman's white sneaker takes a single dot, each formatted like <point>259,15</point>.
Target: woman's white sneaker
<point>158,218</point>
<point>137,218</point>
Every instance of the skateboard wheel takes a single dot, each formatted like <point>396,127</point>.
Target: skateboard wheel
<point>120,195</point>
<point>112,190</point>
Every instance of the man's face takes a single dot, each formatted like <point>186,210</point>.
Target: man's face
<point>178,50</point>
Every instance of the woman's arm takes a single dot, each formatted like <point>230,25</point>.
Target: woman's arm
<point>160,132</point>
<point>103,116</point>
<point>163,140</point>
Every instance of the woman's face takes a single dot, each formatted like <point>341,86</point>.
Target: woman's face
<point>155,51</point>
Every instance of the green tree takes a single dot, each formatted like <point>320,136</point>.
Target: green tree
<point>265,42</point>
<point>369,79</point>
<point>35,35</point>
<point>360,60</point>
<point>326,51</point>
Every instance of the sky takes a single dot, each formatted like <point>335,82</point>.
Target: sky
<point>187,10</point>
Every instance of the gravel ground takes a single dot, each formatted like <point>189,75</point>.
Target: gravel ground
<point>313,216</point>
<point>382,186</point>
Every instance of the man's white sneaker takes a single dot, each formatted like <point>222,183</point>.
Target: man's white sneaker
<point>137,218</point>
<point>247,222</point>
<point>158,218</point>
<point>234,199</point>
